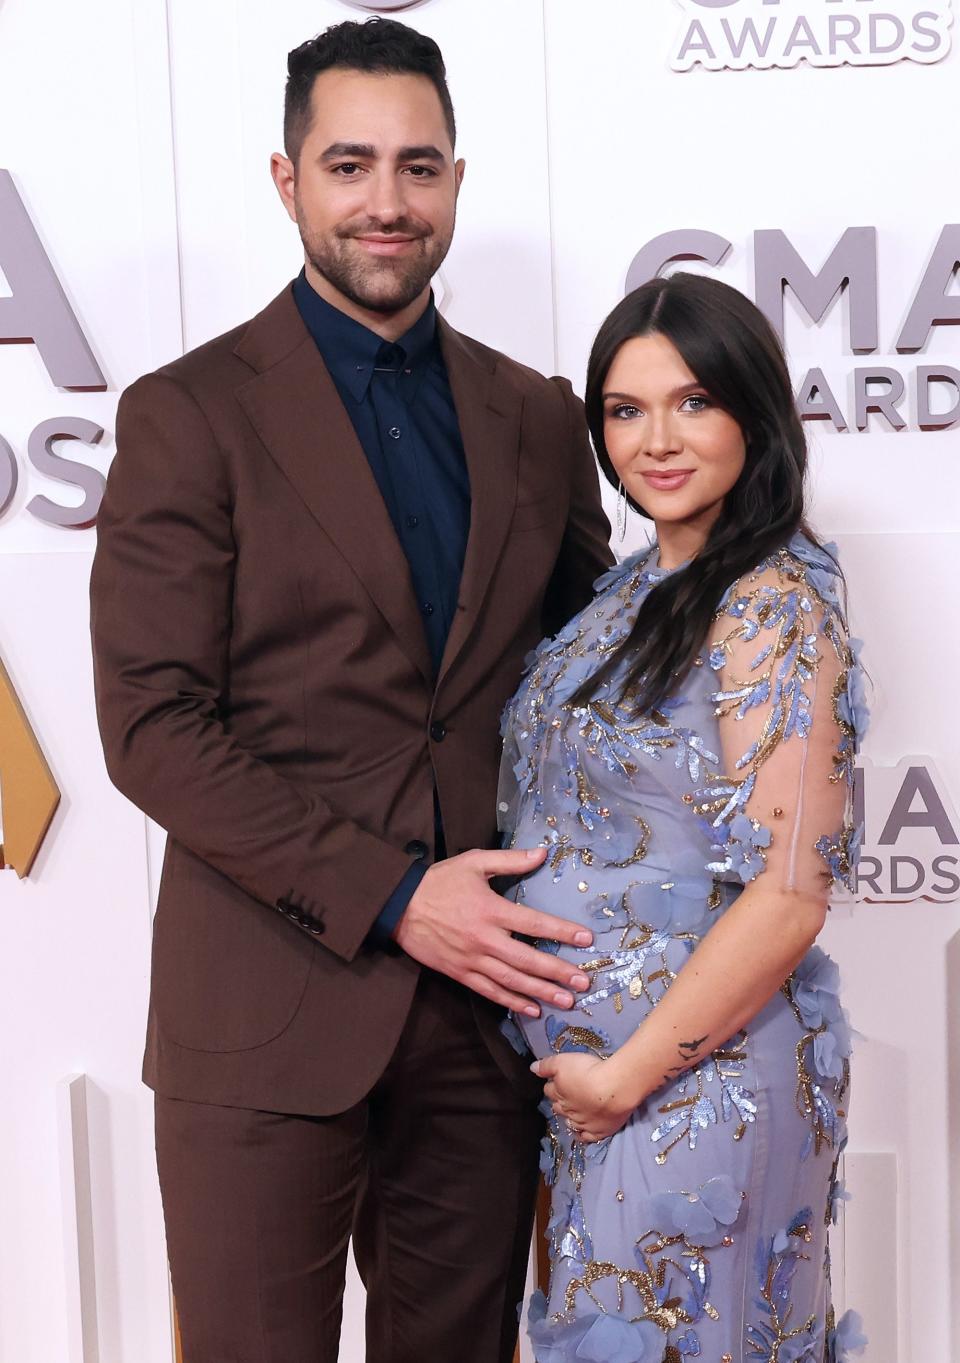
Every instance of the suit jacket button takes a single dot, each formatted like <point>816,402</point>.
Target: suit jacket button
<point>438,731</point>
<point>416,848</point>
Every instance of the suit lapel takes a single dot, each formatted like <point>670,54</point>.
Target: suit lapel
<point>296,411</point>
<point>489,413</point>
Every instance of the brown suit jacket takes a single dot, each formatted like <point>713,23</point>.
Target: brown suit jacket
<point>265,692</point>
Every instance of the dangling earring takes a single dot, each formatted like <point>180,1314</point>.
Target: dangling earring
<point>621,513</point>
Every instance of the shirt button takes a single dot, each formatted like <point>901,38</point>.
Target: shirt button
<point>413,522</point>
<point>427,607</point>
<point>438,731</point>
<point>394,433</point>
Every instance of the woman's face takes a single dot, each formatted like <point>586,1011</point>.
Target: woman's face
<point>676,452</point>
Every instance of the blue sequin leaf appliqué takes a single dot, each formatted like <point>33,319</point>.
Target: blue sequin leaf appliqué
<point>775,1338</point>
<point>693,1113</point>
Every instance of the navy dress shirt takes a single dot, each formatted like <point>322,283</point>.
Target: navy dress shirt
<point>398,397</point>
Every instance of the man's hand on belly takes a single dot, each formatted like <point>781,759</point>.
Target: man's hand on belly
<point>457,925</point>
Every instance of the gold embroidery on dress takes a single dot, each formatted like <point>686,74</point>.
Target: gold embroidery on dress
<point>809,1087</point>
<point>579,1036</point>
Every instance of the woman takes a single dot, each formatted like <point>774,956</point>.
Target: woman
<point>684,748</point>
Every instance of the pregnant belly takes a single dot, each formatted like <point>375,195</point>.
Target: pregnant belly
<point>646,922</point>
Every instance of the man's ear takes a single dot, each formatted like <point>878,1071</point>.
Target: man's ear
<point>458,171</point>
<point>285,178</point>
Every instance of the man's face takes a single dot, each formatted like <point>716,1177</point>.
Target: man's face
<point>374,190</point>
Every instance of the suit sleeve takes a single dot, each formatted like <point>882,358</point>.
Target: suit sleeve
<point>161,596</point>
<point>585,551</point>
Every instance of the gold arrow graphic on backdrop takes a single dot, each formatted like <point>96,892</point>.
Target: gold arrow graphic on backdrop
<point>28,793</point>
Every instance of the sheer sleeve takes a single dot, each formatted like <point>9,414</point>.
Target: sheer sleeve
<point>788,701</point>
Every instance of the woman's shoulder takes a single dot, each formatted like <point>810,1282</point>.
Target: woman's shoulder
<point>800,569</point>
<point>624,568</point>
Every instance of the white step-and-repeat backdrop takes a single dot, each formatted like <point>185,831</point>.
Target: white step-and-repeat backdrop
<point>805,150</point>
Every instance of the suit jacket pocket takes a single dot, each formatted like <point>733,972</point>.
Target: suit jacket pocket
<point>229,973</point>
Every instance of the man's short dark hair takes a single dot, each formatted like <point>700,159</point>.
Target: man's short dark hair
<point>380,46</point>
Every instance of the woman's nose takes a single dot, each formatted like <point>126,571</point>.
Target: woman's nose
<point>660,442</point>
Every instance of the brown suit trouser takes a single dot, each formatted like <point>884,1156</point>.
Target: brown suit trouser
<point>433,1174</point>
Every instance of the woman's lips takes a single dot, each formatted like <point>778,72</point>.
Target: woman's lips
<point>668,481</point>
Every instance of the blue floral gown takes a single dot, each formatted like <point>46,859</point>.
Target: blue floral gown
<point>699,1230</point>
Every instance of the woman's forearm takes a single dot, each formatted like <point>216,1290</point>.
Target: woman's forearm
<point>736,969</point>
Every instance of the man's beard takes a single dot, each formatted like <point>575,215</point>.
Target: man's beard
<point>377,284</point>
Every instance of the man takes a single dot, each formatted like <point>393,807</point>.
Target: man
<point>329,539</point>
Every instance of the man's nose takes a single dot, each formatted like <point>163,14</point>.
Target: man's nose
<point>385,201</point>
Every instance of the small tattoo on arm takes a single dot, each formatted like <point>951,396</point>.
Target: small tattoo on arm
<point>690,1048</point>
<point>689,1054</point>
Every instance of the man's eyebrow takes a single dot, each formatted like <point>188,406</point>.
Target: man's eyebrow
<point>362,150</point>
<point>424,153</point>
<point>365,151</point>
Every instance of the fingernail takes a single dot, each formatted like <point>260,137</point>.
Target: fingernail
<point>535,1068</point>
<point>563,1000</point>
<point>533,853</point>
<point>532,1011</point>
<point>583,939</point>
<point>580,982</point>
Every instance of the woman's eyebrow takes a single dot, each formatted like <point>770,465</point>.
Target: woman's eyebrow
<point>674,392</point>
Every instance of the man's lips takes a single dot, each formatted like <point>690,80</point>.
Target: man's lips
<point>668,480</point>
<point>386,246</point>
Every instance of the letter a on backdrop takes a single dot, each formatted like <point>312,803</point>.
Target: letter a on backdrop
<point>37,309</point>
<point>28,793</point>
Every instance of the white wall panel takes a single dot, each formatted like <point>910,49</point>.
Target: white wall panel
<point>85,132</point>
<point>238,246</point>
<point>893,957</point>
<point>74,962</point>
<point>79,1251</point>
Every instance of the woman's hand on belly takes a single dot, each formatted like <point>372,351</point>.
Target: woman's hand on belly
<point>593,1096</point>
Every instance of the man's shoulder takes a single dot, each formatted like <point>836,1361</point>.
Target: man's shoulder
<point>523,377</point>
<point>216,355</point>
<point>227,360</point>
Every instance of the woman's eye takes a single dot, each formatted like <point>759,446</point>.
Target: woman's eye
<point>624,411</point>
<point>696,402</point>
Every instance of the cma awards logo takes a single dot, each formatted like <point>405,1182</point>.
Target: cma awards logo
<point>924,396</point>
<point>734,34</point>
<point>911,835</point>
<point>29,794</point>
<point>36,311</point>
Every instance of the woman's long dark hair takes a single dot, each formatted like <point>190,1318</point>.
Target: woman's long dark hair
<point>731,348</point>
